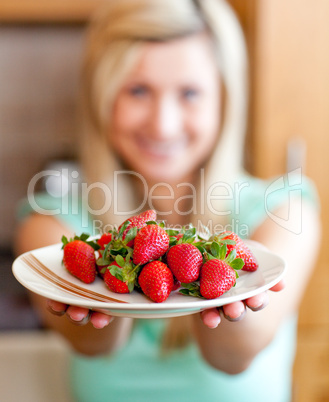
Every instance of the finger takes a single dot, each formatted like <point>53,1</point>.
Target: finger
<point>234,311</point>
<point>211,318</point>
<point>257,302</point>
<point>279,286</point>
<point>78,315</point>
<point>100,320</point>
<point>56,307</point>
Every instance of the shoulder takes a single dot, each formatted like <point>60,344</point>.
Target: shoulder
<point>43,219</point>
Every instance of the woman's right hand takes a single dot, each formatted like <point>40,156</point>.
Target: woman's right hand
<point>79,315</point>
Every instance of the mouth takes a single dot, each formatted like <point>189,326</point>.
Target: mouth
<point>161,149</point>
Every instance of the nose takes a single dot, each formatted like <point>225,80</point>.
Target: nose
<point>166,118</point>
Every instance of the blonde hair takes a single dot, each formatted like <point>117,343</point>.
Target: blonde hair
<point>114,40</point>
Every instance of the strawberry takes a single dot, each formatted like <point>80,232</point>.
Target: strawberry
<point>151,242</point>
<point>104,240</point>
<point>156,281</point>
<point>242,250</point>
<point>79,258</point>
<point>216,278</point>
<point>185,261</point>
<point>137,221</point>
<point>179,236</point>
<point>101,263</point>
<point>176,285</point>
<point>121,275</point>
<point>114,284</point>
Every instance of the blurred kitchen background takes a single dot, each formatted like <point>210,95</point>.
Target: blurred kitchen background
<point>40,53</point>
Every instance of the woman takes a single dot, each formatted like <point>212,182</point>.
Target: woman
<point>164,110</point>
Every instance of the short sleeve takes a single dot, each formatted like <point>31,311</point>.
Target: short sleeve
<point>68,210</point>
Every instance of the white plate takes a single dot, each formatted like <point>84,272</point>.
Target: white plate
<point>42,272</point>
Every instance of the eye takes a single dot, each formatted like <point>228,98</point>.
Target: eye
<point>138,90</point>
<point>190,94</point>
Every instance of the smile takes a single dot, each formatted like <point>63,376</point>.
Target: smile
<point>161,149</point>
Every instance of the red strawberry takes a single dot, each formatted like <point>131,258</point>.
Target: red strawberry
<point>185,261</point>
<point>242,250</point>
<point>104,240</point>
<point>179,236</point>
<point>138,221</point>
<point>151,242</point>
<point>216,278</point>
<point>156,281</point>
<point>79,259</point>
<point>113,283</point>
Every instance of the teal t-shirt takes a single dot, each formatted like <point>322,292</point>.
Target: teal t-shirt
<point>140,372</point>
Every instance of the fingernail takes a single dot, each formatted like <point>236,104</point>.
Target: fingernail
<point>262,303</point>
<point>213,318</point>
<point>102,322</point>
<point>54,308</point>
<point>78,317</point>
<point>243,313</point>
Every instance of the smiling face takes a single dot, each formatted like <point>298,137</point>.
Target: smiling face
<point>166,115</point>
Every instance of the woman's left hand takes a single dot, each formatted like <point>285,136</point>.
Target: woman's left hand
<point>237,310</point>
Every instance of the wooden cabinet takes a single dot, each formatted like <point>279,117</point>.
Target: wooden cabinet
<point>45,11</point>
<point>289,52</point>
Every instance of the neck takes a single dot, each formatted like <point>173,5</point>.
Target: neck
<point>173,201</point>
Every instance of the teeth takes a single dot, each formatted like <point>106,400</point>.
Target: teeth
<point>163,149</point>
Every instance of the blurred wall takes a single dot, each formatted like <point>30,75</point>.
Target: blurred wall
<point>39,75</point>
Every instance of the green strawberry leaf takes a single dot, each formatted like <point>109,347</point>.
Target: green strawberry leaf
<point>130,286</point>
<point>172,232</point>
<point>215,249</point>
<point>123,228</point>
<point>151,223</point>
<point>231,256</point>
<point>106,253</point>
<point>187,292</point>
<point>120,260</point>
<point>64,241</point>
<point>128,256</point>
<point>208,256</point>
<point>237,264</point>
<point>228,242</point>
<point>94,245</point>
<point>222,252</point>
<point>191,285</point>
<point>83,237</point>
<point>191,289</point>
<point>121,251</point>
<point>130,235</point>
<point>116,271</point>
<point>189,235</point>
<point>172,241</point>
<point>103,261</point>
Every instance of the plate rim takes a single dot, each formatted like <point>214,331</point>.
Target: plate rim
<point>148,306</point>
